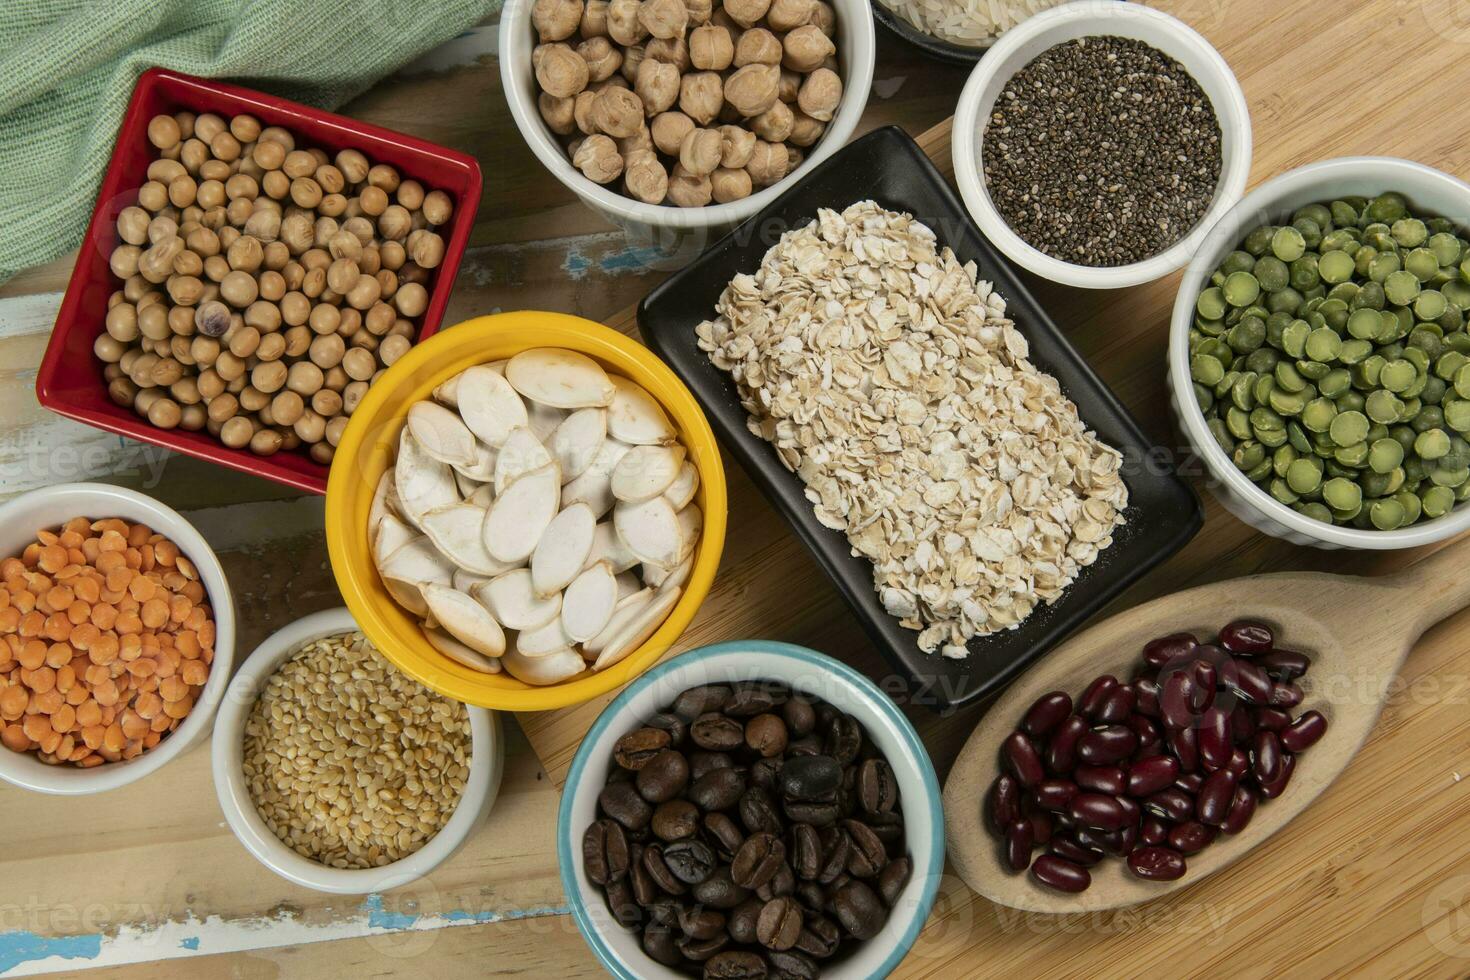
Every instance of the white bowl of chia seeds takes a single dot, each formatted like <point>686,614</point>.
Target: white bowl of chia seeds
<point>1063,172</point>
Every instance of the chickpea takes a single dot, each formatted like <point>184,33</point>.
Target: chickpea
<point>820,94</point>
<point>805,130</point>
<point>701,94</point>
<point>767,163</point>
<point>618,112</point>
<point>633,56</point>
<point>699,151</point>
<point>774,125</point>
<point>602,58</point>
<point>805,48</point>
<point>598,159</point>
<point>710,48</point>
<point>688,190</point>
<point>657,86</point>
<point>623,23</point>
<point>788,15</point>
<point>582,113</point>
<point>757,46</point>
<point>729,185</point>
<point>594,19</point>
<point>557,113</point>
<point>824,17</point>
<point>668,129</point>
<point>671,51</point>
<point>437,207</point>
<point>647,180</point>
<point>746,13</point>
<point>752,90</point>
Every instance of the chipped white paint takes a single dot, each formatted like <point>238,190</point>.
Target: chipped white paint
<point>22,316</point>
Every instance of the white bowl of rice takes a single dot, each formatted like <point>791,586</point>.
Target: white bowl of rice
<point>956,31</point>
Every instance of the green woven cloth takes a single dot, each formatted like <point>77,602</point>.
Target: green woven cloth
<point>67,68</point>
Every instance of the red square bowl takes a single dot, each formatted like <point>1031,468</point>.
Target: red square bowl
<point>70,381</point>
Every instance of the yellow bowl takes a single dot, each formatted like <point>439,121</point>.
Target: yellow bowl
<point>370,443</point>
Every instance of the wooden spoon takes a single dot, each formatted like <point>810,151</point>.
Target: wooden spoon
<point>1357,632</point>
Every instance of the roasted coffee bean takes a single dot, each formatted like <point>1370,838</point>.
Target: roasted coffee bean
<point>701,763</point>
<point>621,903</point>
<point>799,715</point>
<point>806,852</point>
<point>816,814</point>
<point>671,723</point>
<point>622,802</point>
<point>836,848</point>
<point>815,778</point>
<point>811,895</point>
<point>766,773</point>
<point>691,861</point>
<point>700,950</point>
<point>866,854</point>
<point>664,911</point>
<point>699,923</point>
<point>844,738</point>
<point>779,924</point>
<point>877,786</point>
<point>700,700</point>
<point>859,910</point>
<point>784,883</point>
<point>735,965</point>
<point>717,732</point>
<point>605,852</point>
<point>888,827</point>
<point>644,888</point>
<point>659,944</point>
<point>718,789</point>
<point>663,776</point>
<point>809,744</point>
<point>893,879</point>
<point>719,891</point>
<point>754,698</point>
<point>675,820</point>
<point>758,860</point>
<point>758,813</point>
<point>725,833</point>
<point>788,964</point>
<point>659,871</point>
<point>635,749</point>
<point>766,735</point>
<point>741,920</point>
<point>820,936</point>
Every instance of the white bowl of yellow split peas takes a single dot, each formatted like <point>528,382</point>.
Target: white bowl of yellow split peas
<point>117,635</point>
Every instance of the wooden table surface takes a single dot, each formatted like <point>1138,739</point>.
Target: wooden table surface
<point>1373,880</point>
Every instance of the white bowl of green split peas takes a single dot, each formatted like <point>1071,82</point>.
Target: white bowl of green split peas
<point>1319,358</point>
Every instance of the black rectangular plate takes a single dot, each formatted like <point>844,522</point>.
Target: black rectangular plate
<point>888,167</point>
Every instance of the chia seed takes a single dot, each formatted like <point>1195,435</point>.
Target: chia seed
<point>1102,152</point>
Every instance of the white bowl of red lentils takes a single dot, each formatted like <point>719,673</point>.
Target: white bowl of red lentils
<point>117,634</point>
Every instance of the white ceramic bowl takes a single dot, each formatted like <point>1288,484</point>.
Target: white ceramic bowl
<point>1430,192</point>
<point>668,226</point>
<point>228,761</point>
<point>1021,45</point>
<point>51,507</point>
<point>804,670</point>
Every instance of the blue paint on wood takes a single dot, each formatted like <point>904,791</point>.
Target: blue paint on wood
<point>381,918</point>
<point>19,946</point>
<point>191,943</point>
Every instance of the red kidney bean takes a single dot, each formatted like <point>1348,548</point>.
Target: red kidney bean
<point>1131,808</point>
<point>1202,691</point>
<point>1175,698</point>
<point>1239,764</point>
<point>1061,874</point>
<point>1151,775</point>
<point>1184,743</point>
<point>1156,863</point>
<point>1153,831</point>
<point>1171,804</point>
<point>1215,796</point>
<point>1214,739</point>
<point>1107,841</point>
<point>1118,707</point>
<point>1304,732</point>
<point>1019,839</point>
<point>1272,719</point>
<point>1067,848</point>
<point>1005,802</point>
<point>1110,780</point>
<point>1242,808</point>
<point>1242,724</point>
<point>1286,695</point>
<point>1274,789</point>
<point>1248,681</point>
<point>1266,762</point>
<point>1021,753</point>
<point>1175,646</point>
<point>1107,745</point>
<point>1190,782</point>
<point>1248,637</point>
<point>1191,837</point>
<point>1146,696</point>
<point>1098,810</point>
<point>1097,695</point>
<point>1285,665</point>
<point>1146,730</point>
<point>1061,753</point>
<point>1041,827</point>
<point>1054,794</point>
<point>1049,711</point>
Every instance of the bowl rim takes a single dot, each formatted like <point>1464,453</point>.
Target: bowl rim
<point>576,333</point>
<point>1202,58</point>
<point>857,82</point>
<point>487,755</point>
<point>1221,238</point>
<point>931,45</point>
<point>31,774</point>
<point>806,657</point>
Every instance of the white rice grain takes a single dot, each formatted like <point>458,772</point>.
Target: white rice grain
<point>971,23</point>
